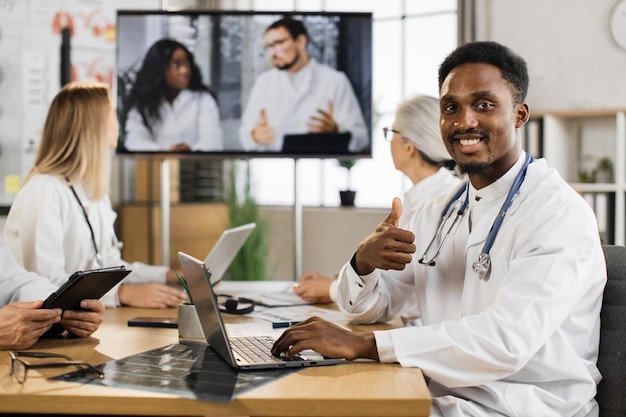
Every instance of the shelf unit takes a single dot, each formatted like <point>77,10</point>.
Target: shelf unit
<point>176,204</point>
<point>573,142</point>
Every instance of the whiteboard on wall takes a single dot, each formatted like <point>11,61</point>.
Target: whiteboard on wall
<point>573,62</point>
<point>30,43</point>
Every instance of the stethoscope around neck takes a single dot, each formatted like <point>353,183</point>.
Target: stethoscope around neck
<point>483,264</point>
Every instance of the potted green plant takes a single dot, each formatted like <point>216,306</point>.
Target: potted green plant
<point>188,322</point>
<point>584,176</point>
<point>604,170</point>
<point>348,195</point>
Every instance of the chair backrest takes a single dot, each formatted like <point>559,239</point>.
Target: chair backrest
<point>611,394</point>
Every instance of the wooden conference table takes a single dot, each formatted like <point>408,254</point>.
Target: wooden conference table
<point>358,389</point>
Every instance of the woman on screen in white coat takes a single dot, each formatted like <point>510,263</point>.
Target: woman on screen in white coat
<point>418,152</point>
<point>61,220</point>
<point>168,107</point>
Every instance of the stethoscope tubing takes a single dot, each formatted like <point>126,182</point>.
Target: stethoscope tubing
<point>517,183</point>
<point>482,265</point>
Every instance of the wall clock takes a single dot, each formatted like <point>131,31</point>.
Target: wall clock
<point>617,23</point>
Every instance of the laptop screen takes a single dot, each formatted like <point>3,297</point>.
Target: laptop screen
<point>226,248</point>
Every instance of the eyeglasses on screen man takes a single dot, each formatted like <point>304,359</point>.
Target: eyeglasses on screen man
<point>18,368</point>
<point>277,44</point>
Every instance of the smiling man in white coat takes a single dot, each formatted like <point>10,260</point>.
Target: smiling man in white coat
<point>299,95</point>
<point>510,301</point>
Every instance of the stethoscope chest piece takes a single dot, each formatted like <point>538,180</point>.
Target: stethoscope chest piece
<point>482,265</point>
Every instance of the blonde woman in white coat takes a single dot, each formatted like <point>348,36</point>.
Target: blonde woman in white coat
<point>61,220</point>
<point>418,152</point>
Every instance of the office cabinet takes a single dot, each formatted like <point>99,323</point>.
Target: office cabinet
<point>194,220</point>
<point>194,229</point>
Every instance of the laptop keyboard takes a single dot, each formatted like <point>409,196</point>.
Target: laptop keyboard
<point>255,349</point>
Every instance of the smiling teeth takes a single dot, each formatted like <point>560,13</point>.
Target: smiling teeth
<point>468,142</point>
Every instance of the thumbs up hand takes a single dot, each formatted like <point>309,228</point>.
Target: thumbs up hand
<point>262,132</point>
<point>323,121</point>
<point>395,213</point>
<point>388,247</point>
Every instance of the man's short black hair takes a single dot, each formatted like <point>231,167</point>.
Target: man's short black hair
<point>512,66</point>
<point>294,27</point>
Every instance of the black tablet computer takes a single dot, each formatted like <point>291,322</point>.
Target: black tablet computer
<point>164,322</point>
<point>82,285</point>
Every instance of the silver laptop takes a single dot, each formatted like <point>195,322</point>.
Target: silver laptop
<point>221,256</point>
<point>239,352</point>
<point>226,248</point>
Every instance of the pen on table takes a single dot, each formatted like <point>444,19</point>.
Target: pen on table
<point>281,324</point>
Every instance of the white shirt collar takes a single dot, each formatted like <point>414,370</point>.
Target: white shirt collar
<point>481,201</point>
<point>499,187</point>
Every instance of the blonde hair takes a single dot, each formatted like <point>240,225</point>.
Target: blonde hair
<point>74,143</point>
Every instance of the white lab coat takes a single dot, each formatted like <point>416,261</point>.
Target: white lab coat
<point>16,284</point>
<point>192,118</point>
<point>440,183</point>
<point>523,342</point>
<point>289,105</point>
<point>48,234</point>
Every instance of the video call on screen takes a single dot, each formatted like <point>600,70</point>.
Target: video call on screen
<point>230,52</point>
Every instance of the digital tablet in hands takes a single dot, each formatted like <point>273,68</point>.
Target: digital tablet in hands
<point>83,285</point>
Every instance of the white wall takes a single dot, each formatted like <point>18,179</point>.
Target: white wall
<point>572,59</point>
<point>329,237</point>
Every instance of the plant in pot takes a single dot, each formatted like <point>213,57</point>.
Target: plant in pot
<point>348,195</point>
<point>188,322</point>
<point>604,170</point>
<point>585,176</point>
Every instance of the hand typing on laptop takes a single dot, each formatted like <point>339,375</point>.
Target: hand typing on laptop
<point>326,338</point>
<point>246,352</point>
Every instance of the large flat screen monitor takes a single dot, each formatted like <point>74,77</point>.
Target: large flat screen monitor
<point>247,84</point>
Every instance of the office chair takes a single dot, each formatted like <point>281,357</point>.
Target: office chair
<point>611,394</point>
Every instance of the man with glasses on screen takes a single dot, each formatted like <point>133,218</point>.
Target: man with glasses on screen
<point>23,322</point>
<point>298,96</point>
<point>508,269</point>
